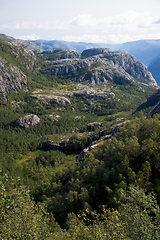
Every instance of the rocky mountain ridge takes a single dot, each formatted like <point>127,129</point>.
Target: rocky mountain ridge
<point>94,67</point>
<point>98,66</point>
<point>26,44</point>
<point>145,51</point>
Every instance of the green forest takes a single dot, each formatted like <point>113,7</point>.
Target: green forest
<point>87,170</point>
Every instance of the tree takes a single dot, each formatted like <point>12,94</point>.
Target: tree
<point>93,225</point>
<point>140,213</point>
<point>20,217</point>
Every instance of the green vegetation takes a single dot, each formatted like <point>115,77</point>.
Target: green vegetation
<point>121,174</point>
<point>111,191</point>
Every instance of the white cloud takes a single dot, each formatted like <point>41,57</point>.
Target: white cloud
<point>158,21</point>
<point>118,28</point>
<point>130,18</point>
<point>110,39</point>
<point>28,37</point>
<point>95,38</point>
<point>84,20</point>
<point>35,25</point>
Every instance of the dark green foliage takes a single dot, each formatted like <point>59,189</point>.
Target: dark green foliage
<point>124,160</point>
<point>122,172</point>
<point>50,158</point>
<point>140,213</point>
<point>20,218</point>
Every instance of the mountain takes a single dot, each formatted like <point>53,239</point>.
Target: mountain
<point>94,66</point>
<point>76,46</point>
<point>27,44</point>
<point>15,62</point>
<point>79,156</point>
<point>154,68</point>
<point>145,51</point>
<point>100,65</point>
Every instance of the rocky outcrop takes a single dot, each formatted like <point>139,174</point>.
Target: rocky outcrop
<point>59,54</point>
<point>100,66</point>
<point>59,100</point>
<point>124,61</point>
<point>14,61</point>
<point>66,66</point>
<point>24,57</point>
<point>95,51</point>
<point>29,45</point>
<point>26,44</point>
<point>27,121</point>
<point>106,135</point>
<point>77,145</point>
<point>11,78</point>
<point>92,126</point>
<point>103,76</point>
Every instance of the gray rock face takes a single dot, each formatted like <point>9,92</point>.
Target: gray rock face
<point>67,66</point>
<point>28,121</point>
<point>59,54</point>
<point>11,78</point>
<point>31,46</point>
<point>95,51</point>
<point>15,60</point>
<point>103,76</point>
<point>25,56</point>
<point>59,100</point>
<point>101,66</point>
<point>124,61</point>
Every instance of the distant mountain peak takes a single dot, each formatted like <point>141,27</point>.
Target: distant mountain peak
<point>100,65</point>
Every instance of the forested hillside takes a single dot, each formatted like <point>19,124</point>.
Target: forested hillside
<point>79,151</point>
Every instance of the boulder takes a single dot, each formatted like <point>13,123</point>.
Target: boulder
<point>28,121</point>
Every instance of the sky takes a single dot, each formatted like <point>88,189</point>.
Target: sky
<point>96,21</point>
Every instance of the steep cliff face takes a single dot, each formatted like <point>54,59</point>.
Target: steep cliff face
<point>11,78</point>
<point>98,66</point>
<point>15,62</point>
<point>124,61</point>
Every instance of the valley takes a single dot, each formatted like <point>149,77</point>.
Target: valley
<point>79,150</point>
